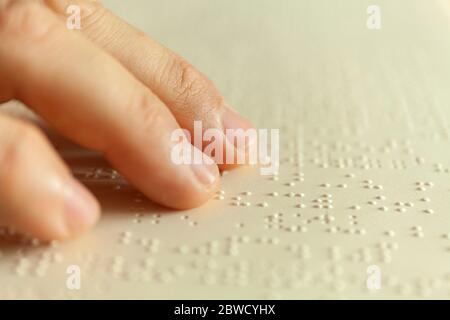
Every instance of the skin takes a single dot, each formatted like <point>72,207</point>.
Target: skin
<point>107,87</point>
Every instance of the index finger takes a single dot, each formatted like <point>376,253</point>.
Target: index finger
<point>188,93</point>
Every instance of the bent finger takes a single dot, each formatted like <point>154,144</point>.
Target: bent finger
<point>38,195</point>
<point>91,98</point>
<point>189,94</point>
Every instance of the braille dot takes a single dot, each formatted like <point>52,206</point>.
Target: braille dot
<point>390,233</point>
<point>303,229</point>
<point>332,229</point>
<point>290,194</point>
<point>290,184</point>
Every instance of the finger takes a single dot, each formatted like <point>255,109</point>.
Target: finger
<point>38,195</point>
<point>91,98</point>
<point>190,95</point>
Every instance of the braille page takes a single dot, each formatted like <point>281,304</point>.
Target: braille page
<point>360,206</point>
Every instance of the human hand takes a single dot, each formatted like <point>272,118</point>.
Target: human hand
<point>110,88</point>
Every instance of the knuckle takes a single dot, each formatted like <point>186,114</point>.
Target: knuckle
<point>92,15</point>
<point>186,82</point>
<point>91,8</point>
<point>190,89</point>
<point>27,18</point>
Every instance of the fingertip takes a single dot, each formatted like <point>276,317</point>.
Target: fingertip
<point>205,170</point>
<point>240,138</point>
<point>189,199</point>
<point>200,188</point>
<point>81,208</point>
<point>72,211</point>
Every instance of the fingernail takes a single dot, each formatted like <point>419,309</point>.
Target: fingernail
<point>82,209</point>
<point>206,172</point>
<point>232,120</point>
